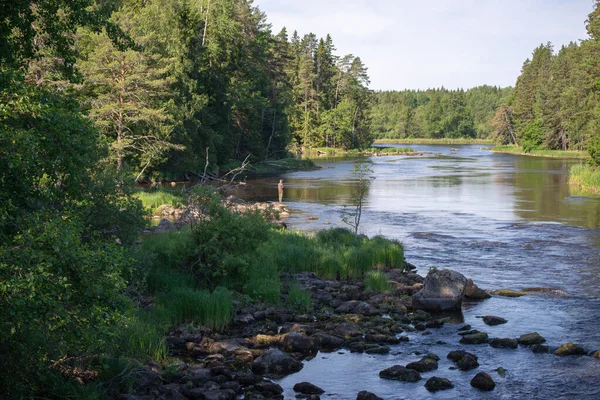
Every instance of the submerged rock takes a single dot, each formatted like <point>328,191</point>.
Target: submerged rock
<point>475,338</point>
<point>434,384</point>
<point>505,343</point>
<point>400,373</point>
<point>364,395</point>
<point>442,291</point>
<point>307,388</point>
<point>540,348</point>
<point>596,354</point>
<point>570,349</point>
<point>483,381</point>
<point>508,293</point>
<point>467,362</point>
<point>492,320</point>
<point>530,339</point>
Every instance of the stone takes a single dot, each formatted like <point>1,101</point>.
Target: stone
<point>504,343</point>
<point>376,349</point>
<point>492,320</point>
<point>295,342</point>
<point>328,342</point>
<point>268,388</point>
<point>380,338</point>
<point>540,349</point>
<point>442,291</point>
<point>508,293</point>
<point>425,364</point>
<point>464,328</point>
<point>570,349</point>
<point>275,361</point>
<point>364,395</point>
<point>203,394</point>
<point>483,381</point>
<point>307,388</point>
<point>400,373</point>
<point>347,330</point>
<point>475,338</point>
<point>467,362</point>
<point>357,307</point>
<point>435,383</point>
<point>596,354</point>
<point>501,372</point>
<point>530,339</point>
<point>475,293</point>
<point>456,355</point>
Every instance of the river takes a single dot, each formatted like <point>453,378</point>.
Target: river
<point>506,221</point>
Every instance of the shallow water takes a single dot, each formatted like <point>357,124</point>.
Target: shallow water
<point>507,222</point>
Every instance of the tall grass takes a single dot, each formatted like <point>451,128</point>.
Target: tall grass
<point>541,152</point>
<point>155,198</point>
<point>377,281</point>
<point>299,299</point>
<point>143,338</point>
<point>213,310</point>
<point>585,177</point>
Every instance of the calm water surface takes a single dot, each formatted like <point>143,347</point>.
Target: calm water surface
<point>507,222</point>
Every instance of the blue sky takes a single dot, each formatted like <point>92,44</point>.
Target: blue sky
<point>431,43</point>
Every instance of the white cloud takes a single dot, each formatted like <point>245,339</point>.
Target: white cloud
<point>432,43</point>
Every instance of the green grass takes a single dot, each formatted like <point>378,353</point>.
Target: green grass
<point>154,198</point>
<point>433,141</point>
<point>586,177</point>
<point>143,338</point>
<point>299,299</point>
<point>541,153</point>
<point>377,281</point>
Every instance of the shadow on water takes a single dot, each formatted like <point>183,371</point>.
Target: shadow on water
<point>506,221</point>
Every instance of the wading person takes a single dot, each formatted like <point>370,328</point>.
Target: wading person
<point>280,187</point>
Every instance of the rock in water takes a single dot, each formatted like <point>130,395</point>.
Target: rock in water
<point>307,388</point>
<point>508,293</point>
<point>295,342</point>
<point>442,291</point>
<point>434,384</point>
<point>492,320</point>
<point>529,339</point>
<point>483,381</point>
<point>570,349</point>
<point>275,361</point>
<point>475,338</point>
<point>364,395</point>
<point>475,293</point>
<point>467,362</point>
<point>504,343</point>
<point>399,373</point>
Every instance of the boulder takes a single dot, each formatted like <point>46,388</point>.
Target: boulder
<point>347,329</point>
<point>483,381</point>
<point>529,339</point>
<point>434,384</point>
<point>364,395</point>
<point>425,364</point>
<point>376,349</point>
<point>275,361</point>
<point>475,338</point>
<point>399,373</point>
<point>456,355</point>
<point>295,342</point>
<point>474,293</point>
<point>268,389</point>
<point>328,342</point>
<point>467,362</point>
<point>307,388</point>
<point>442,291</point>
<point>357,307</point>
<point>492,320</point>
<point>505,343</point>
<point>596,354</point>
<point>540,348</point>
<point>570,349</point>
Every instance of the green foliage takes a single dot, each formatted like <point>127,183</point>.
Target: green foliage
<point>377,281</point>
<point>352,214</point>
<point>586,177</point>
<point>532,136</point>
<point>594,149</point>
<point>299,299</point>
<point>153,199</point>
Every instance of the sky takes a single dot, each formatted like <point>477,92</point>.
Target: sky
<point>422,44</point>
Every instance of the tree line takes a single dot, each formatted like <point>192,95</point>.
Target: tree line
<point>437,113</point>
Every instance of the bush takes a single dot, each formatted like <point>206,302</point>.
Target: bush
<point>377,281</point>
<point>594,150</point>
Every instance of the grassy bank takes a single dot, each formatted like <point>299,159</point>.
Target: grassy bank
<point>370,151</point>
<point>542,153</point>
<point>433,141</point>
<point>585,177</point>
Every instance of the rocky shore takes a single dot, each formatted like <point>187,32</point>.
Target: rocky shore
<point>265,342</point>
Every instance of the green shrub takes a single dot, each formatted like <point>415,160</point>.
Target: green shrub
<point>594,149</point>
<point>299,299</point>
<point>585,176</point>
<point>377,281</point>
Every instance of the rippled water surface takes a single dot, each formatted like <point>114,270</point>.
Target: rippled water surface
<point>507,222</point>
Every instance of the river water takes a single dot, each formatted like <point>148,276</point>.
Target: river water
<point>505,221</point>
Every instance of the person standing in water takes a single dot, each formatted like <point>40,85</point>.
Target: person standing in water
<point>280,188</point>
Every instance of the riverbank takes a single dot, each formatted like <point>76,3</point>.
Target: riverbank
<point>585,177</point>
<point>542,153</point>
<point>433,141</point>
<point>368,152</point>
